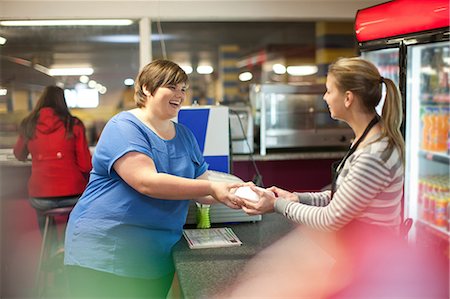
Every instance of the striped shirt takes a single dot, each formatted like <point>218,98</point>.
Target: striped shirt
<point>369,189</point>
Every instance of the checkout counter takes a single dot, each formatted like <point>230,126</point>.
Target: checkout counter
<point>205,272</point>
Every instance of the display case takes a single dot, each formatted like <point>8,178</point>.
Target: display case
<point>295,116</point>
<point>428,143</point>
<point>391,32</point>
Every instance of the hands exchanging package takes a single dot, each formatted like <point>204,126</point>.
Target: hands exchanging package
<point>237,194</point>
<point>255,200</point>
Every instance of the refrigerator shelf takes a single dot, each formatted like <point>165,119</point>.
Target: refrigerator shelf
<point>434,98</point>
<point>434,229</point>
<point>435,156</point>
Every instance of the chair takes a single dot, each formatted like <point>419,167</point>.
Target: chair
<point>48,239</point>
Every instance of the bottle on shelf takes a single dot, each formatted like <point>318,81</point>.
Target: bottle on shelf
<point>441,129</point>
<point>429,129</point>
<point>448,212</point>
<point>433,197</point>
<point>440,210</point>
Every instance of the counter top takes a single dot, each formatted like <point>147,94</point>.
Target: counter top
<point>292,156</point>
<point>202,272</point>
<point>8,159</point>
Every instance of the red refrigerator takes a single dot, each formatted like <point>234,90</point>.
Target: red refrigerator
<point>408,40</point>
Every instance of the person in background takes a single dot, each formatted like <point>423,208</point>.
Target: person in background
<point>363,207</point>
<point>61,160</point>
<point>146,167</point>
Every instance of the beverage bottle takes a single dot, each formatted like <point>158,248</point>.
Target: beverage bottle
<point>448,211</point>
<point>427,199</point>
<point>426,124</point>
<point>440,211</point>
<point>433,133</point>
<point>420,194</point>
<point>426,207</point>
<point>431,208</point>
<point>446,130</point>
<point>442,130</point>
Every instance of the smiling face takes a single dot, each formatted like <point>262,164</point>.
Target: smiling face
<point>334,98</point>
<point>167,100</point>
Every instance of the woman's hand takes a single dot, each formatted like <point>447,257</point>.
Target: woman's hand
<point>283,193</point>
<point>224,193</point>
<point>264,205</point>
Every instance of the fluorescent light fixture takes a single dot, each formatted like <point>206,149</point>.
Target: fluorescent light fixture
<point>87,71</point>
<point>2,40</point>
<point>128,82</point>
<point>129,38</point>
<point>3,91</point>
<point>41,69</point>
<point>205,69</point>
<point>187,69</point>
<point>81,98</point>
<point>279,69</point>
<point>111,22</point>
<point>302,70</point>
<point>245,76</point>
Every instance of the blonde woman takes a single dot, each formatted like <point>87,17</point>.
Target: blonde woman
<point>367,186</point>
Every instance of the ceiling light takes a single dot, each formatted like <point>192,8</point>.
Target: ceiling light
<point>2,40</point>
<point>279,69</point>
<point>3,91</point>
<point>112,22</point>
<point>128,82</point>
<point>129,38</point>
<point>245,76</point>
<point>98,86</point>
<point>187,69</point>
<point>84,79</point>
<point>92,83</point>
<point>302,70</point>
<point>41,69</point>
<point>205,69</point>
<point>71,71</point>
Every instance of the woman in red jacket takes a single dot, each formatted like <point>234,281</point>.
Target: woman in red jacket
<point>61,160</point>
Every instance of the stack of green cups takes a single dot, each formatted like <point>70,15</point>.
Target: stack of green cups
<point>202,216</point>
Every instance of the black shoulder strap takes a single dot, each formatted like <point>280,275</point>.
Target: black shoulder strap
<point>352,149</point>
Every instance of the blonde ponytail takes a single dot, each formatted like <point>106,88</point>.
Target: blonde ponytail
<point>392,116</point>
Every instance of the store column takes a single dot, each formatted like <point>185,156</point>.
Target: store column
<point>228,72</point>
<point>333,40</point>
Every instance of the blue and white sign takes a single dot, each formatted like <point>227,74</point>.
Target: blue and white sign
<point>210,125</point>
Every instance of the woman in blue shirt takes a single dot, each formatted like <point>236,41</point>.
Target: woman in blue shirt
<point>145,169</point>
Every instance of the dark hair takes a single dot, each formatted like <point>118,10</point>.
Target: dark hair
<point>363,79</point>
<point>158,73</point>
<point>52,97</point>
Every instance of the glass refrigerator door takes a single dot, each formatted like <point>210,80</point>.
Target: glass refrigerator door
<point>427,196</point>
<point>387,62</point>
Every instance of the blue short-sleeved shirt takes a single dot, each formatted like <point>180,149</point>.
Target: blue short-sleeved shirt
<point>113,228</point>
